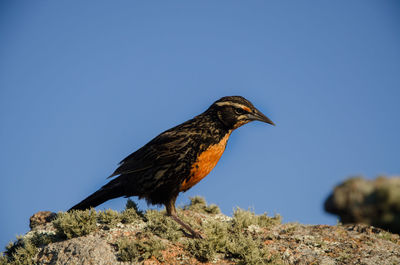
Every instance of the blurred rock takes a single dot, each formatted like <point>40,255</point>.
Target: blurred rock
<point>373,202</point>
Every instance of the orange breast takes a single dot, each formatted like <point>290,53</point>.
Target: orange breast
<point>205,163</point>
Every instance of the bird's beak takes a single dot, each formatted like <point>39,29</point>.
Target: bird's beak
<point>258,116</point>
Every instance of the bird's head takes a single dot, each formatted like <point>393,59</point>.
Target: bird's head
<point>236,111</point>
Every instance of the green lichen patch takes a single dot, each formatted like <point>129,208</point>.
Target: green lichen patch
<point>75,223</point>
<point>199,204</point>
<point>137,250</point>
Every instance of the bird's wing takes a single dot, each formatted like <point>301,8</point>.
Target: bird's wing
<point>162,151</point>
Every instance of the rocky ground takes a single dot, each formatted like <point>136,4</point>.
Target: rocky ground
<point>132,237</point>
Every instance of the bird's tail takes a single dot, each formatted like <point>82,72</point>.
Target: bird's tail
<point>109,191</point>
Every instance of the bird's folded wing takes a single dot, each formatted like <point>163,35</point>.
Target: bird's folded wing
<point>151,155</point>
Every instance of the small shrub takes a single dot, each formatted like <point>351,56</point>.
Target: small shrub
<point>129,216</point>
<point>130,250</point>
<point>132,205</point>
<point>3,259</point>
<point>243,219</point>
<point>24,249</point>
<point>244,250</point>
<point>215,242</point>
<point>233,240</point>
<point>131,213</point>
<point>21,252</point>
<point>42,239</point>
<point>202,250</point>
<point>25,254</point>
<point>109,217</point>
<point>199,204</point>
<point>75,223</point>
<point>162,226</point>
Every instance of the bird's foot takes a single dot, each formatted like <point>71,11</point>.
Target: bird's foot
<point>193,234</point>
<point>197,235</point>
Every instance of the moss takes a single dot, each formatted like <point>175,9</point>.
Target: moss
<point>75,223</point>
<point>131,250</point>
<point>162,226</point>
<point>199,204</point>
<point>109,217</point>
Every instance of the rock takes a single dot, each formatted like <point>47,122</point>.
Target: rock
<point>41,218</point>
<point>373,202</point>
<point>82,250</point>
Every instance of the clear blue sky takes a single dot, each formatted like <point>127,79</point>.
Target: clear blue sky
<point>85,83</point>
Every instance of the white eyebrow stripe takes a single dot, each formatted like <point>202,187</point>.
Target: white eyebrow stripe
<point>229,103</point>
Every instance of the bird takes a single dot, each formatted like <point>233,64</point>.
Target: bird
<point>177,159</point>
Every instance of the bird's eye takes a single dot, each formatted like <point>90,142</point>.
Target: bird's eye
<point>240,111</point>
